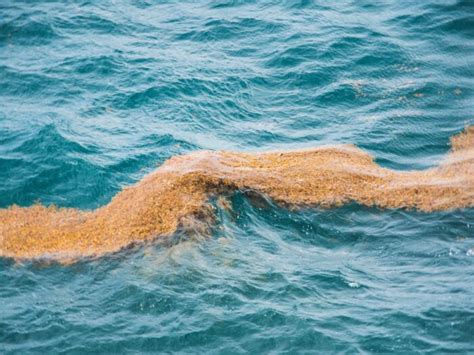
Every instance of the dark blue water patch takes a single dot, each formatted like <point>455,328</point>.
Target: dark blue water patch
<point>454,6</point>
<point>95,23</point>
<point>93,185</point>
<point>417,147</point>
<point>102,66</point>
<point>229,4</point>
<point>174,89</point>
<point>221,30</point>
<point>24,29</point>
<point>411,20</point>
<point>49,143</point>
<point>353,222</point>
<point>293,56</point>
<point>74,176</point>
<point>23,83</point>
<point>386,55</point>
<point>461,26</point>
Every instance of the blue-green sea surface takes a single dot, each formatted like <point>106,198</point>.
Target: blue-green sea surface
<point>95,94</point>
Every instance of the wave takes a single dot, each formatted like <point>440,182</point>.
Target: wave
<point>221,30</point>
<point>26,30</point>
<point>176,196</point>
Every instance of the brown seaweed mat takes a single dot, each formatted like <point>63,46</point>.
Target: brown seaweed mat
<point>177,194</point>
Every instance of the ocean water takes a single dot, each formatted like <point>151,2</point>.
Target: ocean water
<point>94,95</point>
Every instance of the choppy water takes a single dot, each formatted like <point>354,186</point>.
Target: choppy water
<point>93,96</point>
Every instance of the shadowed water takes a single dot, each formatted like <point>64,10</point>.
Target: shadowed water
<point>94,96</point>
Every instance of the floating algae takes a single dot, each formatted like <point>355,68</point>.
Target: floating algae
<point>176,196</point>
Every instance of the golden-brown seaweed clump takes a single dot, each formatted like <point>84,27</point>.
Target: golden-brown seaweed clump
<point>177,194</point>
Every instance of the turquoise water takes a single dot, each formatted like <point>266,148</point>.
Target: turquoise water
<point>93,95</point>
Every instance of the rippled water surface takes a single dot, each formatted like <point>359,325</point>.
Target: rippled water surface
<point>93,95</point>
